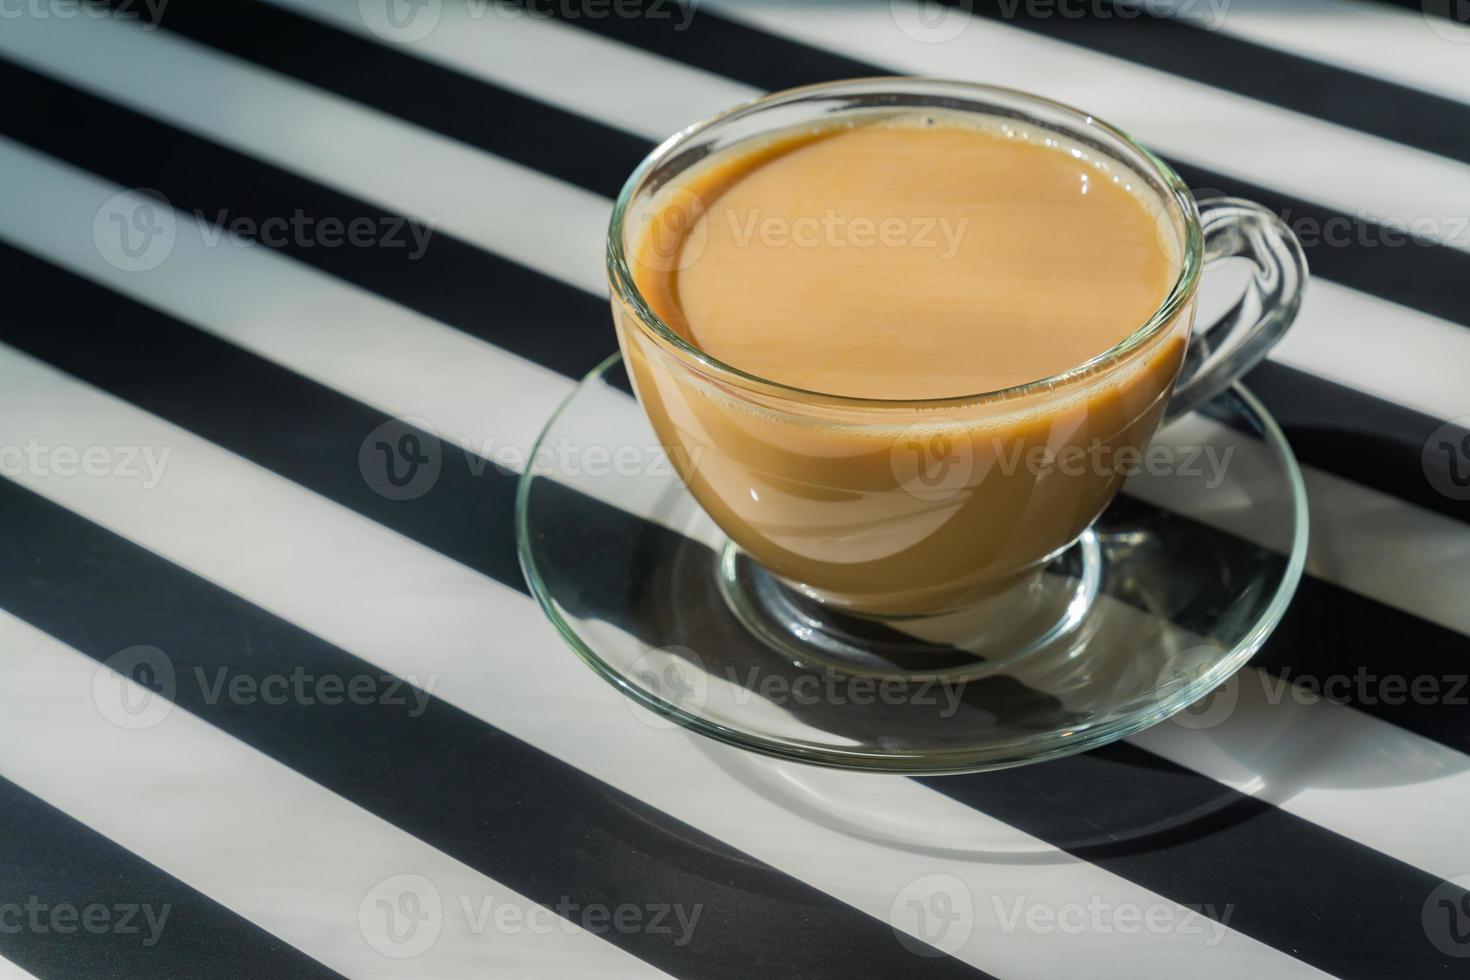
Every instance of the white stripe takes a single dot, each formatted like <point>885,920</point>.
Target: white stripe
<point>559,229</point>
<point>1409,47</point>
<point>234,523</point>
<point>261,839</point>
<point>1265,144</point>
<point>9,971</point>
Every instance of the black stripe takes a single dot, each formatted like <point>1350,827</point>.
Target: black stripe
<point>1183,47</point>
<point>53,862</point>
<point>535,824</point>
<point>465,287</point>
<point>1420,275</point>
<point>1367,440</point>
<point>201,384</point>
<point>1319,896</point>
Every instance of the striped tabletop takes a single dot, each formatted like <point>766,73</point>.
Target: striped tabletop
<point>263,716</point>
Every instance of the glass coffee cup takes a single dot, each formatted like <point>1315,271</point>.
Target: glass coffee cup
<point>913,507</point>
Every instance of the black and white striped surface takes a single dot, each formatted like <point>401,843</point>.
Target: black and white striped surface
<point>190,368</point>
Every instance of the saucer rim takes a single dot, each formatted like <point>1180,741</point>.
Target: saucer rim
<point>953,762</point>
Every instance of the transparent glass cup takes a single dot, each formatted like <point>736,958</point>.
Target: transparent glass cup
<point>903,508</point>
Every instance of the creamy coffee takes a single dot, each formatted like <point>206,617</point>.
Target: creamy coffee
<point>905,260</point>
<point>909,258</point>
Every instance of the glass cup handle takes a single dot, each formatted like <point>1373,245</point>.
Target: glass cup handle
<point>1220,352</point>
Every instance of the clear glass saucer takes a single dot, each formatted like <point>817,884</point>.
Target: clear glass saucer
<point>1168,594</point>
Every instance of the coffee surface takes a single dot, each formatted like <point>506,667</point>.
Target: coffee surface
<point>907,258</point>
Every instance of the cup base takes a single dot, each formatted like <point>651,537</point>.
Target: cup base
<point>986,636</point>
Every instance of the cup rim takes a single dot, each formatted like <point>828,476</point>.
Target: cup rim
<point>625,288</point>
